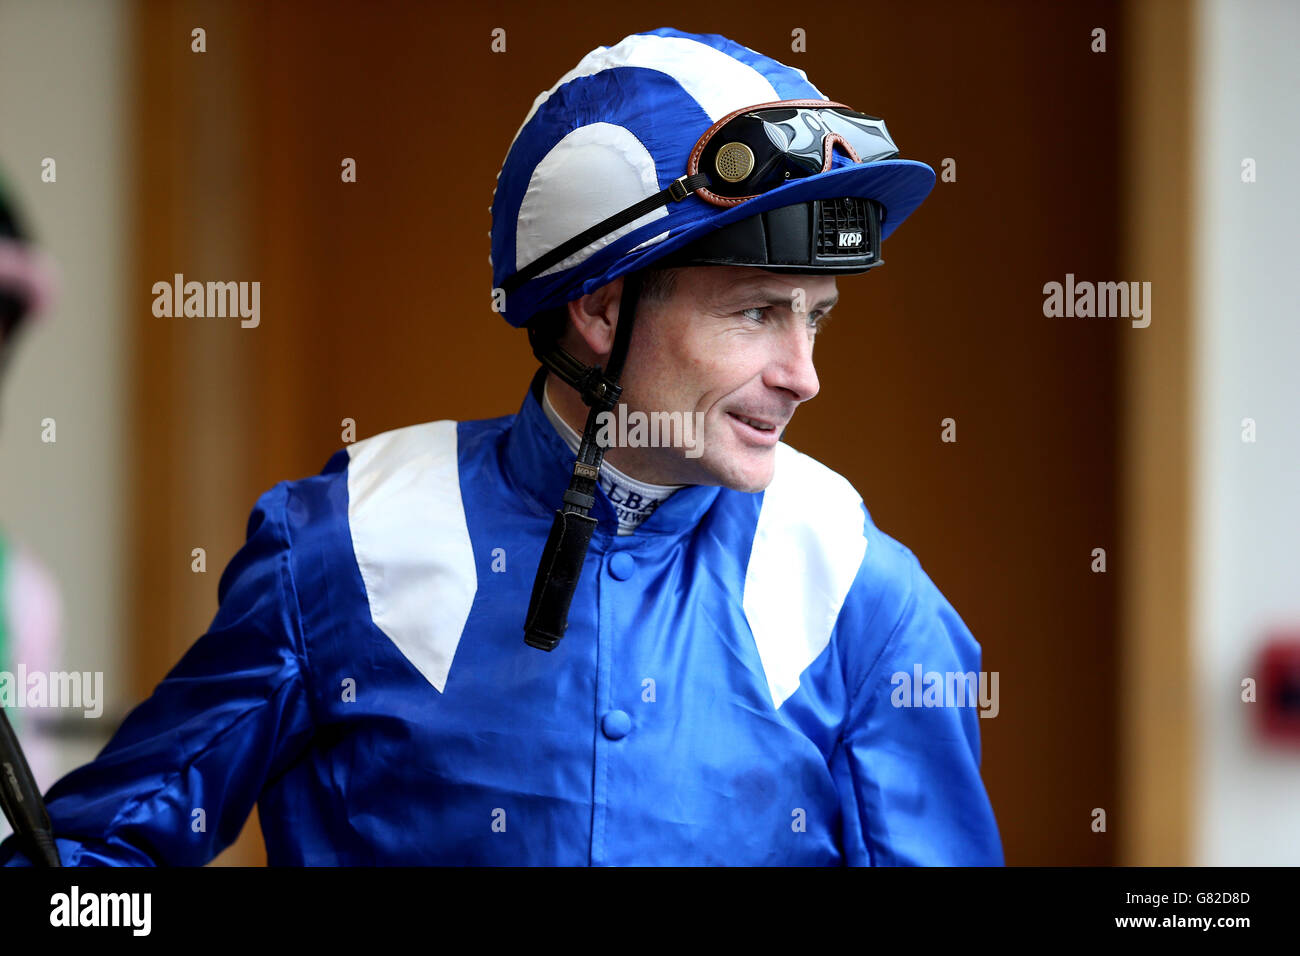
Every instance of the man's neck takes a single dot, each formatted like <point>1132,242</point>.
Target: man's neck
<point>567,403</point>
<point>634,500</point>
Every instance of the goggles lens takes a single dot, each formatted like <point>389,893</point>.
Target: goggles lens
<point>760,148</point>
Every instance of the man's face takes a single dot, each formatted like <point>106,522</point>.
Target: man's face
<point>732,343</point>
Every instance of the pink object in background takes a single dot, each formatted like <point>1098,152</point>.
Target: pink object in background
<point>31,601</point>
<point>30,273</point>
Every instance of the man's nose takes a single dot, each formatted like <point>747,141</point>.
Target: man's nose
<point>792,367</point>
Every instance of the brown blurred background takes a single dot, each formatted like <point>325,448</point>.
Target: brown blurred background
<point>1072,433</point>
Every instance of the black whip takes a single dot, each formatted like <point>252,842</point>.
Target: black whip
<point>22,802</point>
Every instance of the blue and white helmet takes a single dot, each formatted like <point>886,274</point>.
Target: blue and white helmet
<point>619,129</point>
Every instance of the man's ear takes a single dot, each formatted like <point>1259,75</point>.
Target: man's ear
<point>592,321</point>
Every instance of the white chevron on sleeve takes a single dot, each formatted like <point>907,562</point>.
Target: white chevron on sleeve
<point>808,547</point>
<point>411,541</point>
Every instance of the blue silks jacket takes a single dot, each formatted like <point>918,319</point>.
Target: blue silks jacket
<point>727,692</point>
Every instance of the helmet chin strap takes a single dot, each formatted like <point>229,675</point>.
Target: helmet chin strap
<point>566,546</point>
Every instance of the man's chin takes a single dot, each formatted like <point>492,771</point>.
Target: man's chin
<point>746,471</point>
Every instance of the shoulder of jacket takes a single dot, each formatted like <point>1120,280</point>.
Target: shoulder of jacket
<point>806,492</point>
<point>409,535</point>
<point>424,444</point>
<point>389,466</point>
<point>808,495</point>
<point>399,446</point>
<point>809,543</point>
<point>797,471</point>
<point>816,548</point>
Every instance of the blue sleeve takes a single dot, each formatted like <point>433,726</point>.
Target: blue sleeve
<point>910,766</point>
<point>178,780</point>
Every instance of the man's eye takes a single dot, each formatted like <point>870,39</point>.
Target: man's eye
<point>756,313</point>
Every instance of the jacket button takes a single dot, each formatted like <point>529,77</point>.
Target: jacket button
<point>621,565</point>
<point>616,724</point>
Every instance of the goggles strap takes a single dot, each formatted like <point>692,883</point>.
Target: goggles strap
<point>677,190</point>
<point>590,382</point>
<point>566,546</point>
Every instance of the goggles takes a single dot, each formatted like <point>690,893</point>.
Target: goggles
<point>755,150</point>
<point>743,155</point>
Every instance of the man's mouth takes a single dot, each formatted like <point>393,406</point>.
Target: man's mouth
<point>759,429</point>
<point>760,424</point>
